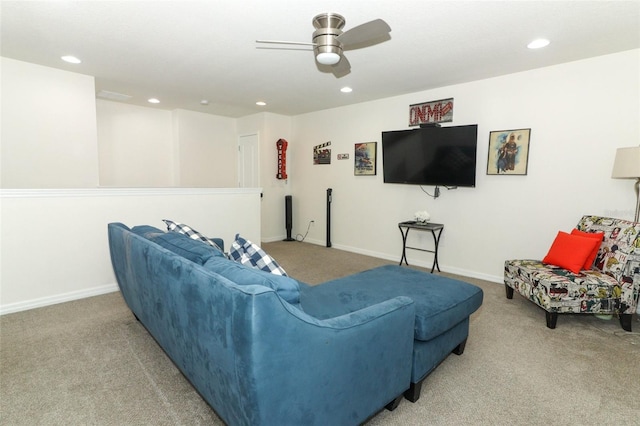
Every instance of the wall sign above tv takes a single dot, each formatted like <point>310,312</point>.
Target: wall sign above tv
<point>440,111</point>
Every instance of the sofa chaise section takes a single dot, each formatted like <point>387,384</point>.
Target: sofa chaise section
<point>443,308</point>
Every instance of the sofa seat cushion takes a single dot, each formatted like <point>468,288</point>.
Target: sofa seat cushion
<point>558,290</point>
<point>286,287</point>
<point>441,302</point>
<point>180,244</point>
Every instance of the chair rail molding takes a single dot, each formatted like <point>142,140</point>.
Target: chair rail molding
<point>108,192</point>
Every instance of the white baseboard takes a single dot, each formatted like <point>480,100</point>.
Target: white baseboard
<point>443,268</point>
<point>273,239</point>
<point>59,298</point>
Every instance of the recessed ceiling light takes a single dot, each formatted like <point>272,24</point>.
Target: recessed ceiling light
<point>260,103</point>
<point>537,44</point>
<point>71,59</point>
<point>153,101</point>
<point>346,89</point>
<point>204,102</point>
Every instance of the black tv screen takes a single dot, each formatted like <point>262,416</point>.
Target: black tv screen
<point>444,156</point>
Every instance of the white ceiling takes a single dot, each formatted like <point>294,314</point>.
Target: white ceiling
<point>184,51</point>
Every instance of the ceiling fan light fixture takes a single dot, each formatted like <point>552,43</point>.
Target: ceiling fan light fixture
<point>326,53</point>
<point>328,58</point>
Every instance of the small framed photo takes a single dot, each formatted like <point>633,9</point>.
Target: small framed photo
<point>508,152</point>
<point>365,159</point>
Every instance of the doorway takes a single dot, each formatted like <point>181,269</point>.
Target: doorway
<point>249,161</point>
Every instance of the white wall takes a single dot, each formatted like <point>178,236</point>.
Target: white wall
<point>48,128</point>
<point>54,242</point>
<point>206,145</point>
<point>136,147</point>
<point>151,147</point>
<point>579,114</point>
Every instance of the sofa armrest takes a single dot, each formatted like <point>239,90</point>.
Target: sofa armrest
<point>360,317</point>
<point>341,369</point>
<point>636,284</point>
<point>630,284</point>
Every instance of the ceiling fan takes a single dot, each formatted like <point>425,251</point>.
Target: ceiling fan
<point>329,41</point>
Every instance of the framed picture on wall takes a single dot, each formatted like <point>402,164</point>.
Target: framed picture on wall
<point>365,159</point>
<point>508,152</point>
<point>322,153</point>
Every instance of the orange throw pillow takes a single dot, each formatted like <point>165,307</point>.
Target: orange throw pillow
<point>598,236</point>
<point>570,251</point>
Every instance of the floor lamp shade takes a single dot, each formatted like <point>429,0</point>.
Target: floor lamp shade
<point>627,163</point>
<point>627,166</point>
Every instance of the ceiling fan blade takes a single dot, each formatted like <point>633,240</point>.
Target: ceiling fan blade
<point>342,68</point>
<point>299,43</point>
<point>364,33</point>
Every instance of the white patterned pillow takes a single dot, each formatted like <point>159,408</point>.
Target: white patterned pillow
<point>250,254</point>
<point>190,232</point>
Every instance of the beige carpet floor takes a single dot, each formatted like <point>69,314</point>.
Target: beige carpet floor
<point>89,362</point>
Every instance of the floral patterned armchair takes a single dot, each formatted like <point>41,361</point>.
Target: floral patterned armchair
<point>611,286</point>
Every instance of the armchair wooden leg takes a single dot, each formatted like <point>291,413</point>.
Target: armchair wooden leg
<point>552,318</point>
<point>509,291</point>
<point>625,321</point>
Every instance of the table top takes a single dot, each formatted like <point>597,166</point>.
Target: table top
<point>421,225</point>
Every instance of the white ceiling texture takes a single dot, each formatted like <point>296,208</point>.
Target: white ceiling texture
<point>182,52</point>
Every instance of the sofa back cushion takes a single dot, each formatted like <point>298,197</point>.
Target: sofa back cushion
<point>180,244</point>
<point>182,228</point>
<point>598,237</point>
<point>619,253</point>
<point>570,251</point>
<point>252,255</point>
<point>286,287</point>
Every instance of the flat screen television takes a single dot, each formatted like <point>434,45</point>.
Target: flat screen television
<point>439,156</point>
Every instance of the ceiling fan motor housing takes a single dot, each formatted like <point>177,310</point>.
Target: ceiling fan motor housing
<point>328,27</point>
<point>328,20</point>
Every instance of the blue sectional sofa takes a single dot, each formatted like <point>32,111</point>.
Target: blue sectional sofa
<point>264,349</point>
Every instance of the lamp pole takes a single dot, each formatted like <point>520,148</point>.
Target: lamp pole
<point>637,186</point>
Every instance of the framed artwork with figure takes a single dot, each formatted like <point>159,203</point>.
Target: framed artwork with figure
<point>508,152</point>
<point>365,159</point>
